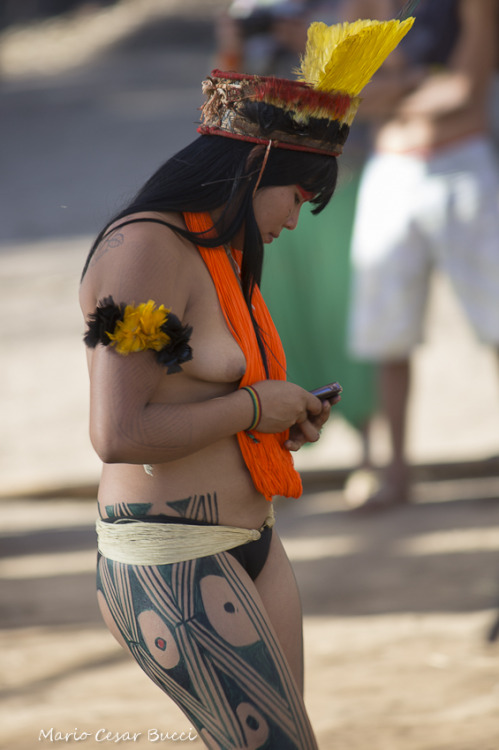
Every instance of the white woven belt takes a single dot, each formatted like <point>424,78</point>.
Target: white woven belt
<point>134,542</point>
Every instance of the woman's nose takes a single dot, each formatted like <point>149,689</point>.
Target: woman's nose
<point>292,220</point>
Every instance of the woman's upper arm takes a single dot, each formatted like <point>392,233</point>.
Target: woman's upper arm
<point>132,265</point>
<point>140,262</point>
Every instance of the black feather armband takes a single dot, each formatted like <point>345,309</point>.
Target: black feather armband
<point>135,329</point>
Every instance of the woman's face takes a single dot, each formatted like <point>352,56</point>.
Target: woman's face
<point>277,208</point>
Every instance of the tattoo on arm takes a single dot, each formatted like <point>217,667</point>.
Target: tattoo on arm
<point>116,239</point>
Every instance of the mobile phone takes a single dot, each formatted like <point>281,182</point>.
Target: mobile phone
<point>327,392</point>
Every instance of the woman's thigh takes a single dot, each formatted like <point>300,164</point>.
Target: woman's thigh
<point>200,631</point>
<point>278,590</point>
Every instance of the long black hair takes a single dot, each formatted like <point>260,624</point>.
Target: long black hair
<point>214,172</point>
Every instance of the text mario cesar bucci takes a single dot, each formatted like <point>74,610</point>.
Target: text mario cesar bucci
<point>104,735</point>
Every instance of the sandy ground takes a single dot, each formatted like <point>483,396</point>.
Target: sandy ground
<point>397,612</point>
<point>397,607</point>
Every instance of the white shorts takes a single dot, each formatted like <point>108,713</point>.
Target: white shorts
<point>415,214</point>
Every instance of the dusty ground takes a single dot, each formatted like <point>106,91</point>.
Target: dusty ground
<point>397,612</point>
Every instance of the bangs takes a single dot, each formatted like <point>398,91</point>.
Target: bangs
<point>315,173</point>
<point>321,182</point>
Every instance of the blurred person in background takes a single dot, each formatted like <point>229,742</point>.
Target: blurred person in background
<point>268,37</point>
<point>262,37</point>
<point>190,408</point>
<point>428,199</point>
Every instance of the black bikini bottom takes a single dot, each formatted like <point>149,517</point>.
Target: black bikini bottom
<point>251,555</point>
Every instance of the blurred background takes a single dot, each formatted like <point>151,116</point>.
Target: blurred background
<point>398,607</point>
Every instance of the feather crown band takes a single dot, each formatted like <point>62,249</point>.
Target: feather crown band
<point>135,329</point>
<point>315,112</point>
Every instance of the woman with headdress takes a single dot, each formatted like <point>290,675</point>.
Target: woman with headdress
<point>190,409</point>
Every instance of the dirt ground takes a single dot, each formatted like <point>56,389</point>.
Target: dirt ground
<point>397,608</point>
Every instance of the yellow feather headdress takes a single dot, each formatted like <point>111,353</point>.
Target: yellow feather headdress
<point>314,112</point>
<point>345,57</point>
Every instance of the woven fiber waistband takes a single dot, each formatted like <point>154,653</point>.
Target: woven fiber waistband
<point>135,542</point>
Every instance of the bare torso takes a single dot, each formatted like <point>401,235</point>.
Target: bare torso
<point>428,135</point>
<point>217,472</point>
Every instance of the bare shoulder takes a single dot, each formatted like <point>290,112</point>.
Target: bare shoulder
<point>141,260</point>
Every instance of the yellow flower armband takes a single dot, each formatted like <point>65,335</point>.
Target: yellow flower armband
<point>135,329</point>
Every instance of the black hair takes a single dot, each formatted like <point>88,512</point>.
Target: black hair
<point>214,172</point>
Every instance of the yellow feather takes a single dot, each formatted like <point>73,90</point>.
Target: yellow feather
<point>344,57</point>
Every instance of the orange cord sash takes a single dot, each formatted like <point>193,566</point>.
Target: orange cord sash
<point>269,463</point>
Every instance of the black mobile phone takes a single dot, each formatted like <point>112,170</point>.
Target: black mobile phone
<point>327,391</point>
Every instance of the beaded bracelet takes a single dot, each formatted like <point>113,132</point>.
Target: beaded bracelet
<point>257,407</point>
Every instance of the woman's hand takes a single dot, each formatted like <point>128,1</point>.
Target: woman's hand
<point>309,431</point>
<point>287,405</point>
<point>284,404</point>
